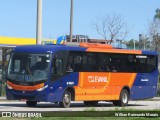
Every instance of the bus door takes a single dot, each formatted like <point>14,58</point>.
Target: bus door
<point>57,72</point>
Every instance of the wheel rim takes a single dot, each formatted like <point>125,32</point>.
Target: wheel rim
<point>66,99</point>
<point>124,98</point>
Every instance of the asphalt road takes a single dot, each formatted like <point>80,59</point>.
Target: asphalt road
<point>78,106</point>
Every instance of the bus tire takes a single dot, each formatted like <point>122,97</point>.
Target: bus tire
<point>31,103</point>
<point>90,103</point>
<point>66,100</point>
<point>123,100</point>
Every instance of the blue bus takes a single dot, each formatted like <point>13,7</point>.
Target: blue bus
<point>85,72</point>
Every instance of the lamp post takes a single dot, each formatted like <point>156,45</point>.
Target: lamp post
<point>39,22</point>
<point>134,44</point>
<point>71,21</point>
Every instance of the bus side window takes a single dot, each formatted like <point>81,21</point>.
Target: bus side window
<point>70,64</point>
<point>57,67</point>
<point>151,63</point>
<point>69,68</point>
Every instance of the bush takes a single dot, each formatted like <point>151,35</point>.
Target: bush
<point>158,92</point>
<point>3,89</point>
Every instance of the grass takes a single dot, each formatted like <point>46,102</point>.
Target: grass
<point>94,118</point>
<point>3,91</point>
<point>91,114</point>
<point>158,92</point>
<point>83,118</point>
<point>90,109</point>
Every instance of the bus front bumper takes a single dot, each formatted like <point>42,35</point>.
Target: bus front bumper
<point>38,96</point>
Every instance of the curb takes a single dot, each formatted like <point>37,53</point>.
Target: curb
<point>2,98</point>
<point>156,98</point>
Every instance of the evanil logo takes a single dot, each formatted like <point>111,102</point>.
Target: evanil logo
<point>97,79</point>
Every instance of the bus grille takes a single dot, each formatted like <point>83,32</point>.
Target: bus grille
<point>24,97</point>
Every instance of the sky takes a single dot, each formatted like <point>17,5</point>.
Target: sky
<point>18,17</point>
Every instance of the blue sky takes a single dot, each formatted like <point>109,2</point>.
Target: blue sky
<point>18,17</point>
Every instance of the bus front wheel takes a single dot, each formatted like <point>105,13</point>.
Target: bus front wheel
<point>123,100</point>
<point>66,101</point>
<point>31,103</point>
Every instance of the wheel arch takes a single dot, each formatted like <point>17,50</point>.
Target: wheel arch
<point>127,88</point>
<point>72,91</point>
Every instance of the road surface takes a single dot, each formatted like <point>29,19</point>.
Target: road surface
<point>78,106</point>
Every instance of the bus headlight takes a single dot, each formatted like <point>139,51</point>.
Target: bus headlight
<point>8,86</point>
<point>40,89</point>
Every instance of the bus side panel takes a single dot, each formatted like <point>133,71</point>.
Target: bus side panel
<point>142,92</point>
<point>102,85</point>
<point>145,86</point>
<point>55,91</point>
<point>58,87</point>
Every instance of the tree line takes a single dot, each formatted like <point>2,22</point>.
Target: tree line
<point>113,27</point>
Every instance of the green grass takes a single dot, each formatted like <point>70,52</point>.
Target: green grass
<point>83,118</point>
<point>91,114</point>
<point>93,118</point>
<point>3,90</point>
<point>158,93</point>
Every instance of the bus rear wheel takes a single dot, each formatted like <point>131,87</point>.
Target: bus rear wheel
<point>90,103</point>
<point>123,100</point>
<point>66,101</point>
<point>31,103</point>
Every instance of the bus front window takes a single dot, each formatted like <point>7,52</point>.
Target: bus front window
<point>28,67</point>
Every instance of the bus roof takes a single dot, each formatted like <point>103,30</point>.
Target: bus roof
<point>53,48</point>
<point>45,48</point>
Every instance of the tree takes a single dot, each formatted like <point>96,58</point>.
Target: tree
<point>144,41</point>
<point>157,15</point>
<point>153,30</point>
<point>130,43</point>
<point>111,26</point>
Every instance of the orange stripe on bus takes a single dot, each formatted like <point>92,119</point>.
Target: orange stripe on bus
<point>94,84</point>
<point>93,45</point>
<point>114,51</point>
<point>132,80</point>
<point>83,82</point>
<point>121,79</point>
<point>96,97</point>
<point>26,88</point>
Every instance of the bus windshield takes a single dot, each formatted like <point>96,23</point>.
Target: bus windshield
<point>28,67</point>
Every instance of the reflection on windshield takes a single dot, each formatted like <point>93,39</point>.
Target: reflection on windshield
<point>29,67</point>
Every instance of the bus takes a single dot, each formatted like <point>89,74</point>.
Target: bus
<point>85,72</point>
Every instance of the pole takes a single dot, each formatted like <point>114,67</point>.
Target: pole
<point>71,21</point>
<point>39,22</point>
<point>134,44</point>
